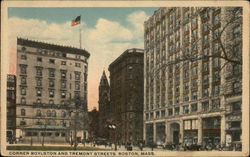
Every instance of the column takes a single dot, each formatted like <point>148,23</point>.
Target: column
<point>166,132</point>
<point>181,132</point>
<point>200,131</point>
<point>223,130</point>
<point>144,131</point>
<point>154,132</point>
<point>169,138</point>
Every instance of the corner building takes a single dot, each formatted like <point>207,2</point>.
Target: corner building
<point>192,101</point>
<point>48,76</point>
<point>126,96</point>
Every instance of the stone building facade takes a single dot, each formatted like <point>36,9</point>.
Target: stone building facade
<point>191,94</point>
<point>51,91</point>
<point>126,95</point>
<point>11,106</point>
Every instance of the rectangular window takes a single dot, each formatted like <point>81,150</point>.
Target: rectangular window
<point>63,94</point>
<point>205,106</point>
<point>23,80</point>
<point>51,72</point>
<point>216,62</point>
<point>176,111</point>
<point>170,112</point>
<point>38,92</point>
<point>51,61</point>
<point>23,91</point>
<point>77,75</point>
<point>194,95</point>
<point>77,86</point>
<point>63,62</point>
<point>39,72</point>
<point>39,59</point>
<point>186,109</point>
<point>162,113</point>
<point>236,106</point>
<point>23,57</point>
<point>63,84</point>
<point>194,108</point>
<point>216,76</point>
<point>216,90</point>
<point>38,82</point>
<point>216,104</point>
<point>205,80</point>
<point>206,66</point>
<point>236,87</point>
<point>194,83</point>
<point>78,64</point>
<point>63,74</point>
<point>205,92</point>
<point>51,83</point>
<point>51,93</point>
<point>23,69</point>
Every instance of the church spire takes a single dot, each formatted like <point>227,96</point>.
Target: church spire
<point>104,80</point>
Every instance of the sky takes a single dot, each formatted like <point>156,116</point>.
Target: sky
<point>106,34</point>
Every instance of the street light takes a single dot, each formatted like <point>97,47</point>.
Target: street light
<point>113,127</point>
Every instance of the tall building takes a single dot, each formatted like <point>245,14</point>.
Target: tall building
<point>104,106</point>
<point>51,92</point>
<point>192,80</point>
<point>11,106</point>
<point>126,95</point>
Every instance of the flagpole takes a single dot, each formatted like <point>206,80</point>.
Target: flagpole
<point>80,31</point>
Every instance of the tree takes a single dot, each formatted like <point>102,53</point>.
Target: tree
<point>78,120</point>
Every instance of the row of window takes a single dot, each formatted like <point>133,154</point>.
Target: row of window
<point>56,134</point>
<point>49,113</point>
<point>51,61</point>
<point>186,109</point>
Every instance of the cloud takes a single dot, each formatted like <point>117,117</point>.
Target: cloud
<point>105,42</point>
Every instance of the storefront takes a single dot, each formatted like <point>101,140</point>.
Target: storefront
<point>160,133</point>
<point>190,132</point>
<point>211,131</point>
<point>149,133</point>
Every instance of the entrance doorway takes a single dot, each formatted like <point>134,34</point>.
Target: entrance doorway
<point>175,131</point>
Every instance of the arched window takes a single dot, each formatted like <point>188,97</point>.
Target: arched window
<point>49,113</point>
<point>53,113</point>
<point>23,113</point>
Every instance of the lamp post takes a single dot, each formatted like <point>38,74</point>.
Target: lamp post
<point>113,127</point>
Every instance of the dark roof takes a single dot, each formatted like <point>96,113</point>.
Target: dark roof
<point>133,51</point>
<point>42,45</point>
